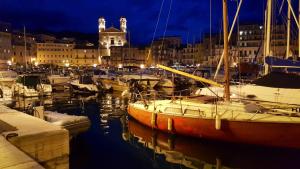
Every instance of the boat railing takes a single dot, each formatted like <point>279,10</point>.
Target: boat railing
<point>147,97</point>
<point>152,95</point>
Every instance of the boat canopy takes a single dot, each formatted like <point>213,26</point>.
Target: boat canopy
<point>282,63</point>
<point>29,81</point>
<point>279,80</point>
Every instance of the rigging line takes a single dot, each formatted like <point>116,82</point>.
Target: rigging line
<point>156,26</point>
<point>167,22</point>
<point>280,9</point>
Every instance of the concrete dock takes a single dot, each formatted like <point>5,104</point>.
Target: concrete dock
<point>45,143</point>
<point>11,157</point>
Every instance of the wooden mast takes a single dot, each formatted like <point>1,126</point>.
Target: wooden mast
<point>268,34</point>
<point>226,61</point>
<point>288,33</point>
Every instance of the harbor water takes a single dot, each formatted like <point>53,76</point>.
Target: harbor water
<point>116,141</point>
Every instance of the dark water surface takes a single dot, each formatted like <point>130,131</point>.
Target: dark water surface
<point>116,141</point>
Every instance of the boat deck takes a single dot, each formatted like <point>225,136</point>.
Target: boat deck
<point>205,108</point>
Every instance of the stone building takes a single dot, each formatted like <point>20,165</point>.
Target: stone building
<point>251,42</point>
<point>56,52</point>
<point>111,36</point>
<point>128,56</point>
<point>165,50</point>
<point>189,54</point>
<point>66,52</point>
<point>85,55</point>
<point>19,56</point>
<point>5,44</point>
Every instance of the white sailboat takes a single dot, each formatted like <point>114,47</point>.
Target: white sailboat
<point>276,87</point>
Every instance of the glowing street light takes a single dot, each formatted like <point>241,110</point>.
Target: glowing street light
<point>142,66</point>
<point>94,65</point>
<point>120,66</point>
<point>9,63</point>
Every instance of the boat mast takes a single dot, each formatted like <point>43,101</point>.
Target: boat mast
<point>210,33</point>
<point>295,18</point>
<point>25,46</point>
<point>288,33</point>
<point>268,34</point>
<point>229,36</point>
<point>226,61</point>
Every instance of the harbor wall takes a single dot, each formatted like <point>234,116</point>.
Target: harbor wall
<point>45,143</point>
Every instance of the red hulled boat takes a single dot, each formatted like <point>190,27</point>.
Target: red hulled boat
<point>240,121</point>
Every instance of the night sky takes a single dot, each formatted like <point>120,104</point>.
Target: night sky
<point>188,18</point>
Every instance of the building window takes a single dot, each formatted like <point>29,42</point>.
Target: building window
<point>112,41</point>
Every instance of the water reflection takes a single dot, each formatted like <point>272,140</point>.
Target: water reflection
<point>194,153</point>
<point>116,141</point>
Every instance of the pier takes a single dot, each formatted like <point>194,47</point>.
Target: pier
<point>30,142</point>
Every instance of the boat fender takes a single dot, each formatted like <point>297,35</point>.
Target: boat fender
<point>170,124</point>
<point>218,122</point>
<point>153,119</point>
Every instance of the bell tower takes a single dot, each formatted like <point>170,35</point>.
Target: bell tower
<point>101,24</point>
<point>123,24</point>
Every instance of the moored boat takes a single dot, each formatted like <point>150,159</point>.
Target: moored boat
<point>31,85</point>
<point>238,121</point>
<point>59,82</point>
<point>234,122</point>
<point>275,87</point>
<point>128,81</point>
<point>85,85</point>
<point>7,78</point>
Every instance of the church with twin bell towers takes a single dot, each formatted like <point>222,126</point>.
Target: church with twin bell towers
<point>111,36</point>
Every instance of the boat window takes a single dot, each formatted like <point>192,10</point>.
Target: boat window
<point>29,81</point>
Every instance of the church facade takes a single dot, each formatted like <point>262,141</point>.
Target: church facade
<point>111,36</point>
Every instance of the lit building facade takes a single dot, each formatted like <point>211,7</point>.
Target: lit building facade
<point>5,43</point>
<point>60,54</point>
<point>19,56</point>
<point>251,42</point>
<point>128,56</point>
<point>111,36</point>
<point>189,54</point>
<point>165,50</point>
<point>85,55</point>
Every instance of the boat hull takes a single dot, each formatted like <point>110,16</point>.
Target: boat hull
<point>115,85</point>
<point>259,133</point>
